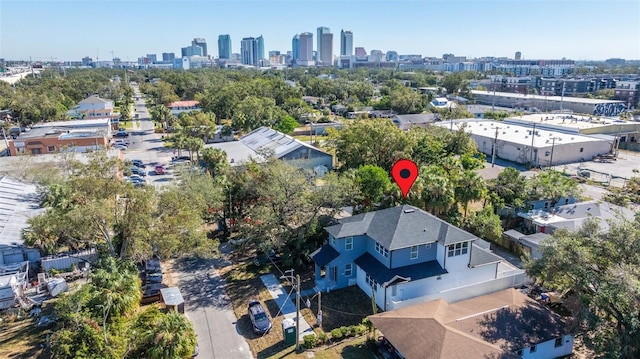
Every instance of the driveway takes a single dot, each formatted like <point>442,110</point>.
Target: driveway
<point>209,309</point>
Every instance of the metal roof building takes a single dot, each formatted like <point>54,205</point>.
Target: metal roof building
<point>519,143</point>
<point>265,141</point>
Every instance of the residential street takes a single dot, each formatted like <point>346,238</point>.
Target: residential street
<point>207,304</point>
<point>209,308</point>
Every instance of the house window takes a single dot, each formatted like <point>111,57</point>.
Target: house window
<point>533,349</point>
<point>427,246</point>
<point>558,342</point>
<point>383,251</point>
<point>414,252</point>
<point>51,148</point>
<point>372,283</point>
<point>348,243</point>
<point>348,270</point>
<point>458,249</point>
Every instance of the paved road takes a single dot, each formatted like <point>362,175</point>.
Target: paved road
<point>146,145</point>
<point>209,308</point>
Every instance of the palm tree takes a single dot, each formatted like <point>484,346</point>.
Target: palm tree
<point>215,160</point>
<point>436,190</point>
<point>117,287</point>
<point>163,336</point>
<point>471,187</point>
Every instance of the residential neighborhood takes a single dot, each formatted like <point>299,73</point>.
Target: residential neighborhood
<point>310,204</point>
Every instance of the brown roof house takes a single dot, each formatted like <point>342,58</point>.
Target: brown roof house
<point>504,324</point>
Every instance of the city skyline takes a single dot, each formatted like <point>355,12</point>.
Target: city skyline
<point>55,30</point>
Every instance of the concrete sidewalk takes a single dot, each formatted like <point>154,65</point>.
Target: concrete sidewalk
<point>288,307</point>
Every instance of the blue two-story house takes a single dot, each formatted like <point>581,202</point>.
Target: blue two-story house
<point>404,255</point>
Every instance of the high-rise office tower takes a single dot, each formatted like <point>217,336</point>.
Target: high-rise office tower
<point>346,43</point>
<point>202,43</point>
<point>260,41</point>
<point>320,31</point>
<point>295,48</point>
<point>391,56</point>
<point>224,46</point>
<point>152,57</point>
<point>306,47</point>
<point>518,55</point>
<point>249,51</point>
<point>168,56</point>
<point>326,56</point>
<point>191,51</point>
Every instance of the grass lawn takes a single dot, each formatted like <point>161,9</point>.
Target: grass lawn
<point>340,308</point>
<point>356,348</point>
<point>128,125</point>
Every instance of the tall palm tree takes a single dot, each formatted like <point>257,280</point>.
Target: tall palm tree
<point>165,336</point>
<point>471,187</point>
<point>436,191</point>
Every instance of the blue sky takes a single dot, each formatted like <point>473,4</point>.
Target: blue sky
<point>70,30</point>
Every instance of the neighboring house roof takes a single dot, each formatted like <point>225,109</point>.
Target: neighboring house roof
<point>184,104</point>
<point>258,140</point>
<point>421,118</point>
<point>18,203</point>
<point>572,216</point>
<point>533,240</point>
<point>386,276</point>
<point>94,99</point>
<point>324,255</point>
<point>400,227</point>
<point>492,325</point>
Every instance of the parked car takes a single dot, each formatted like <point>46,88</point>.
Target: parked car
<point>121,134</point>
<point>138,171</point>
<point>135,178</point>
<point>259,317</point>
<point>159,170</point>
<point>135,181</point>
<point>120,142</point>
<point>121,147</point>
<point>138,163</point>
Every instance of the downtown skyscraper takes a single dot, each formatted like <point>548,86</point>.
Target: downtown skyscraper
<point>249,51</point>
<point>224,46</point>
<point>346,43</point>
<point>320,43</point>
<point>305,55</point>
<point>202,43</point>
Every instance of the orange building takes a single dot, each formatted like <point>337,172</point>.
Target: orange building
<point>54,137</point>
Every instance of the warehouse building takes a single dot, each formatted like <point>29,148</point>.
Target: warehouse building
<point>537,103</point>
<point>526,145</point>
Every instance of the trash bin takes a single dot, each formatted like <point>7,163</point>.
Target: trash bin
<point>289,331</point>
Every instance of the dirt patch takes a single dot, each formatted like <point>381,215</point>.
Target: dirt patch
<point>22,339</point>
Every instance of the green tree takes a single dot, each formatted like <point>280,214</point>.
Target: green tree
<point>485,224</point>
<point>552,185</point>
<point>471,187</point>
<point>286,124</point>
<point>510,189</point>
<point>369,142</point>
<point>162,336</point>
<point>435,191</point>
<point>374,183</point>
<point>601,271</point>
<point>215,160</point>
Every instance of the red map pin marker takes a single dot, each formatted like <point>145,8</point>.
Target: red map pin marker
<point>404,172</point>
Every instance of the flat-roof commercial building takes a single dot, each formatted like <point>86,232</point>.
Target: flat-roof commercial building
<point>54,137</point>
<point>539,147</point>
<point>595,107</point>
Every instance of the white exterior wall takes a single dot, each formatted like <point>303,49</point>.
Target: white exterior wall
<point>440,255</point>
<point>459,263</point>
<point>362,283</point>
<point>433,285</point>
<point>548,349</point>
<point>562,152</point>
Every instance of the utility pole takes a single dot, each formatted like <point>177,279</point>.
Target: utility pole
<point>495,148</point>
<point>533,136</point>
<point>553,145</point>
<point>296,282</point>
<point>297,312</point>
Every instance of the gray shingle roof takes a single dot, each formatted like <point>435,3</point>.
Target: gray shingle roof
<point>400,227</point>
<point>480,257</point>
<point>382,274</point>
<point>324,255</point>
